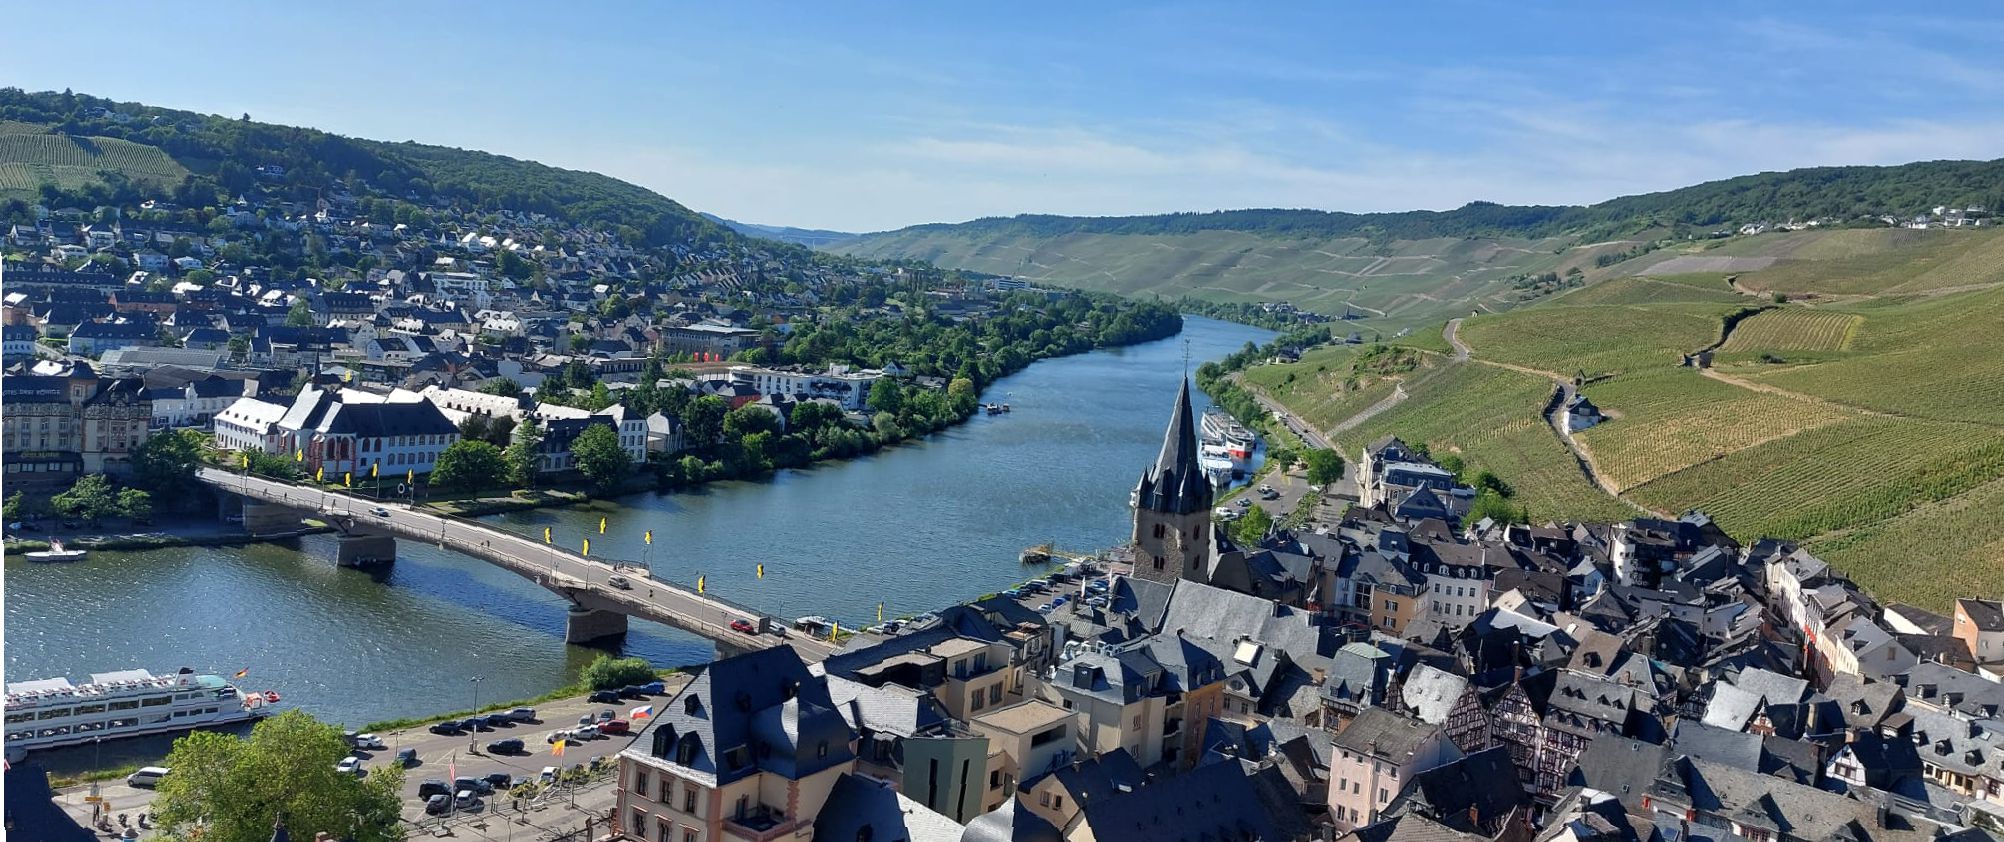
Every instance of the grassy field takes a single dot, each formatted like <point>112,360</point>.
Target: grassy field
<point>1566,338</point>
<point>1395,284</point>
<point>1695,289</point>
<point>1878,261</point>
<point>29,159</point>
<point>1671,419</point>
<point>1960,544</point>
<point>1329,384</point>
<point>1934,358</point>
<point>1794,329</point>
<point>1490,417</point>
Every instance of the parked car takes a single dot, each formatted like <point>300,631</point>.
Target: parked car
<point>606,716</point>
<point>466,799</point>
<point>505,747</point>
<point>604,697</point>
<point>478,723</point>
<point>619,582</point>
<point>632,691</point>
<point>437,805</point>
<point>350,766</point>
<point>743,626</point>
<point>586,732</point>
<point>1267,489</point>
<point>474,784</point>
<point>499,720</point>
<point>523,714</point>
<point>407,758</point>
<point>447,728</point>
<point>433,787</point>
<point>501,781</point>
<point>615,726</point>
<point>1060,601</point>
<point>565,734</point>
<point>146,777</point>
<point>1015,593</point>
<point>654,688</point>
<point>370,742</point>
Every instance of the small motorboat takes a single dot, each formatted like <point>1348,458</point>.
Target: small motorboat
<point>57,552</point>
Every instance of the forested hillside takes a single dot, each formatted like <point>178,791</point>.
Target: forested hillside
<point>206,156</point>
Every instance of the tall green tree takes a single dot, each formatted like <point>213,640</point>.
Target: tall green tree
<point>91,499</point>
<point>166,461</point>
<point>597,455</point>
<point>1250,528</point>
<point>1324,466</point>
<point>524,454</point>
<point>301,313</point>
<point>704,418</point>
<point>135,504</point>
<point>470,465</point>
<point>748,419</point>
<point>886,396</point>
<point>16,506</point>
<point>226,789</point>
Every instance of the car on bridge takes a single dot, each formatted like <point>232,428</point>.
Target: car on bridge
<point>620,582</point>
<point>379,511</point>
<point>743,626</point>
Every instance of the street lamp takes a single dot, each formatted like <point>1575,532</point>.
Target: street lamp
<point>471,740</point>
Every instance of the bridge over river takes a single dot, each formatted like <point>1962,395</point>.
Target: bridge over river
<point>598,610</point>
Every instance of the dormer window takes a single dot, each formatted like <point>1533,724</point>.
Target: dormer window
<point>693,705</point>
<point>687,749</point>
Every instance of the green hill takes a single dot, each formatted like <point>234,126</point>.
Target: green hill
<point>1861,412</point>
<point>90,150</point>
<point>1411,267</point>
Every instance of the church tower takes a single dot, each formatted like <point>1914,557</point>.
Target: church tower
<point>1172,505</point>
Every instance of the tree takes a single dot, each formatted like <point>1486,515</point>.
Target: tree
<point>1453,465</point>
<point>468,465</point>
<point>597,454</point>
<point>524,454</point>
<point>749,419</point>
<point>135,504</point>
<point>166,461</point>
<point>236,790</point>
<point>91,499</point>
<point>886,396</point>
<point>607,673</point>
<point>474,427</point>
<point>1251,527</point>
<point>704,418</point>
<point>301,314</point>
<point>1486,481</point>
<point>1491,505</point>
<point>16,506</point>
<point>961,394</point>
<point>1324,466</point>
<point>501,386</point>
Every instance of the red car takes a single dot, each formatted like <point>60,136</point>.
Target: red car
<point>614,726</point>
<point>743,626</point>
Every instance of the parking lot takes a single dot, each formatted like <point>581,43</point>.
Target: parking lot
<point>443,757</point>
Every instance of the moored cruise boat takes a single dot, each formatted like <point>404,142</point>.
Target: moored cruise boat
<point>52,712</point>
<point>1230,438</point>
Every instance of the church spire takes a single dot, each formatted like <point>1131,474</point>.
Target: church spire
<point>1176,482</point>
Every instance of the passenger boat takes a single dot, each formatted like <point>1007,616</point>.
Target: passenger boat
<point>1224,437</point>
<point>57,552</point>
<point>52,712</point>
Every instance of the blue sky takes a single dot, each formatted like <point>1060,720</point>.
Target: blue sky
<point>867,116</point>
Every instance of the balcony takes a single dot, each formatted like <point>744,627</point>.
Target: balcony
<point>760,824</point>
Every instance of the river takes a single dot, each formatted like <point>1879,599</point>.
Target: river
<point>913,527</point>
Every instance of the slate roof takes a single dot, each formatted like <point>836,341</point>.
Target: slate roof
<point>1227,615</point>
<point>31,809</point>
<point>1209,803</point>
<point>1470,793</point>
<point>859,807</point>
<point>1010,823</point>
<point>1751,798</point>
<point>1380,733</point>
<point>1620,766</point>
<point>761,711</point>
<point>1429,693</point>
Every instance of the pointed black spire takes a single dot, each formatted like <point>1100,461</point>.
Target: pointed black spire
<point>1176,482</point>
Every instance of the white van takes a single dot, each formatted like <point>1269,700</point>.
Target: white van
<point>146,777</point>
<point>549,775</point>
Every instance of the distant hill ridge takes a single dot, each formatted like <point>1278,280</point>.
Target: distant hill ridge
<point>1843,193</point>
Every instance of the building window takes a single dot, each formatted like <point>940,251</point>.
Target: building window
<point>640,781</point>
<point>1043,799</point>
<point>689,799</point>
<point>1058,802</point>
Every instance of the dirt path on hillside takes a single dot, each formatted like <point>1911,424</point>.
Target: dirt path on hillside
<point>1367,413</point>
<point>1554,414</point>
